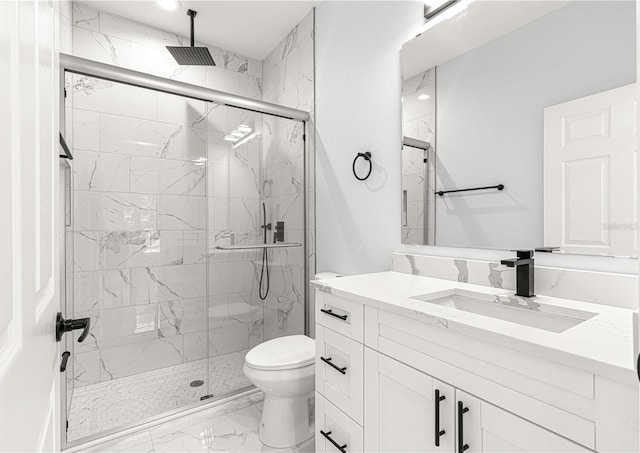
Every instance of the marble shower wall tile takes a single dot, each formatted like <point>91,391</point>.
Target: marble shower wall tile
<point>181,213</point>
<point>140,357</point>
<point>102,289</point>
<point>618,290</point>
<point>104,172</point>
<point>96,211</point>
<point>164,284</point>
<point>129,249</point>
<point>182,317</point>
<point>112,39</point>
<point>288,80</point>
<point>163,176</point>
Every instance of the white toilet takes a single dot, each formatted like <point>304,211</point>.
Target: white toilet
<point>284,369</point>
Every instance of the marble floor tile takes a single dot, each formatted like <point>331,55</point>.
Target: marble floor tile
<point>231,426</point>
<point>237,431</point>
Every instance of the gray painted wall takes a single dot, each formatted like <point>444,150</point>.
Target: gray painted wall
<point>490,105</point>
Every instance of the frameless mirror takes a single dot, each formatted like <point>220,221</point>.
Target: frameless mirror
<point>519,127</point>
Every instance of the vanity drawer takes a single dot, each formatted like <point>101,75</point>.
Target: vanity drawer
<point>340,314</point>
<point>339,371</point>
<point>336,431</point>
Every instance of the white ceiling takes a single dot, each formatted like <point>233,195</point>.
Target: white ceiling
<point>250,28</point>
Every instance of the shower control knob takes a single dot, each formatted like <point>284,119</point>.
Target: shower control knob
<point>67,325</point>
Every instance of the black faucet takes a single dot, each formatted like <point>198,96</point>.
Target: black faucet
<point>524,272</point>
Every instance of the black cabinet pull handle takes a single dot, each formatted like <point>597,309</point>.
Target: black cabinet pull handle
<point>67,325</point>
<point>328,361</point>
<point>461,411</point>
<point>330,312</point>
<point>342,448</point>
<point>65,358</point>
<point>439,432</point>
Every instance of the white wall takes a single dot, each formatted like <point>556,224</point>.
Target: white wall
<point>358,87</point>
<point>497,98</point>
<point>357,108</point>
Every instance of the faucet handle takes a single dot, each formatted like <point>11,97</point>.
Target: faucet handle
<point>524,254</point>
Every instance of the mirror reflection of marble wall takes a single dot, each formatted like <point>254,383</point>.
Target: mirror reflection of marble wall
<point>418,164</point>
<point>488,113</point>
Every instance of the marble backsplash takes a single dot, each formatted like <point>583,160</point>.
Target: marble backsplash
<point>618,290</point>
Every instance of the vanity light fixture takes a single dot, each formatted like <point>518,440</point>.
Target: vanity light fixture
<point>437,11</point>
<point>169,5</point>
<point>434,7</point>
<point>423,97</point>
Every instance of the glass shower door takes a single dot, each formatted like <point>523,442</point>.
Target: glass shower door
<point>138,248</point>
<point>255,185</point>
<point>173,200</point>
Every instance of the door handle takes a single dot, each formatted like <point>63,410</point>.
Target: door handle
<point>439,432</point>
<point>461,411</point>
<point>65,358</point>
<point>67,325</point>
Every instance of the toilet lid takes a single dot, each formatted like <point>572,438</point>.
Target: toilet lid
<point>285,353</point>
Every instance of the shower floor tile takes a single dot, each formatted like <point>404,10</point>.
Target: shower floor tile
<point>227,427</point>
<point>100,407</point>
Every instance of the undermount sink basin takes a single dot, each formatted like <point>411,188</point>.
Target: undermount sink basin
<point>519,310</point>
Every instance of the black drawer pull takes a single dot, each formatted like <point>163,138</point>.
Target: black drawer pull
<point>328,361</point>
<point>342,448</point>
<point>461,411</point>
<point>330,312</point>
<point>439,432</point>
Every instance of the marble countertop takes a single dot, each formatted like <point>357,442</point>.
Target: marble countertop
<point>602,344</point>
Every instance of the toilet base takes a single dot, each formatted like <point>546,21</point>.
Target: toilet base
<point>286,420</point>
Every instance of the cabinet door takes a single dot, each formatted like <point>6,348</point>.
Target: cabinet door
<point>402,413</point>
<point>487,428</point>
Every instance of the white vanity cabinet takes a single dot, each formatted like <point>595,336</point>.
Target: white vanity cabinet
<point>409,411</point>
<point>411,383</point>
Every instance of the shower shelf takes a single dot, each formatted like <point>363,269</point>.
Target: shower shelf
<point>259,246</point>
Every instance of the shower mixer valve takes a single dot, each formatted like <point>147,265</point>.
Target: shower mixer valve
<point>278,235</point>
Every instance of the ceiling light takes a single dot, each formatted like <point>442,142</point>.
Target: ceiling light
<point>169,5</point>
<point>422,97</point>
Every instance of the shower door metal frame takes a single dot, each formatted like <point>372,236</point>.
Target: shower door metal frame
<point>91,68</point>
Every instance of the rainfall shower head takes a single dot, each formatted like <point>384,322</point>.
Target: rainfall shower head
<point>192,55</point>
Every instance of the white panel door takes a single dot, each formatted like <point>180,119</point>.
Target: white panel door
<point>402,412</point>
<point>29,298</point>
<point>590,173</point>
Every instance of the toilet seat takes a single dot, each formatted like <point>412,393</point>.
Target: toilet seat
<point>285,353</point>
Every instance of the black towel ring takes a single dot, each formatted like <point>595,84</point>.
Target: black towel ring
<point>367,157</point>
